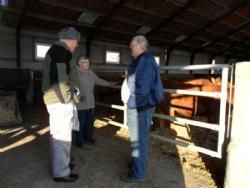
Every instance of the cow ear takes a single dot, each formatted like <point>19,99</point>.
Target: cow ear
<point>213,80</point>
<point>218,80</point>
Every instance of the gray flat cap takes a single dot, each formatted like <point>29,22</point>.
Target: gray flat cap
<point>69,33</point>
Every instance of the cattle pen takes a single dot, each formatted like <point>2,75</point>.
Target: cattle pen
<point>65,63</point>
<point>222,95</point>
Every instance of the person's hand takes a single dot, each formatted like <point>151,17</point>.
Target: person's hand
<point>76,95</point>
<point>76,92</point>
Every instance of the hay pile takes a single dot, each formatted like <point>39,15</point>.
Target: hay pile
<point>9,109</point>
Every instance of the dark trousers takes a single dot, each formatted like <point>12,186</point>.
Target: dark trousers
<point>139,123</point>
<point>86,121</point>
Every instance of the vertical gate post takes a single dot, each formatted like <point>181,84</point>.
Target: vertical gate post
<point>223,104</point>
<point>238,161</point>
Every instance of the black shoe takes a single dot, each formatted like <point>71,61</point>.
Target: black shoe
<point>127,178</point>
<point>70,178</point>
<point>71,166</point>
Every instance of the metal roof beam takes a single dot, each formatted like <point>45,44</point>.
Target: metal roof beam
<point>230,32</point>
<point>209,24</point>
<point>246,39</point>
<point>109,15</point>
<point>172,17</point>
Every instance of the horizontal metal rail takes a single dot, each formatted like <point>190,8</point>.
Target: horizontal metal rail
<point>195,67</point>
<point>214,127</point>
<point>194,93</point>
<point>114,106</point>
<point>186,145</point>
<point>106,68</point>
<point>182,91</point>
<point>172,141</point>
<point>210,126</point>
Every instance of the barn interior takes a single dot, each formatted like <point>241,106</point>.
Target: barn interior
<point>180,33</point>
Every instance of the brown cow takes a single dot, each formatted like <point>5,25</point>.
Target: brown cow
<point>192,107</point>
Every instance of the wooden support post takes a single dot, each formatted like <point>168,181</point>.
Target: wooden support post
<point>227,59</point>
<point>238,162</point>
<point>192,61</point>
<point>18,48</point>
<point>168,59</point>
<point>88,41</point>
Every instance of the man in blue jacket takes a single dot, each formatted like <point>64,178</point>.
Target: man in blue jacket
<point>145,91</point>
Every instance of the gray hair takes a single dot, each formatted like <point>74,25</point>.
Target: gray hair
<point>82,58</point>
<point>142,40</point>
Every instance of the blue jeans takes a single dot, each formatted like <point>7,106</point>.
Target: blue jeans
<point>139,123</point>
<point>86,121</point>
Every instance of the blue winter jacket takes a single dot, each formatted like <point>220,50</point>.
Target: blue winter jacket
<point>144,82</point>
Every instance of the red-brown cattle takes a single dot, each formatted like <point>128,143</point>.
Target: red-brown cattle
<point>186,106</point>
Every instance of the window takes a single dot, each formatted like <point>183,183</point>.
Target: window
<point>41,50</point>
<point>157,59</point>
<point>112,57</point>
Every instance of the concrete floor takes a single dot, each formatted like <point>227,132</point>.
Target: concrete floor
<point>24,159</point>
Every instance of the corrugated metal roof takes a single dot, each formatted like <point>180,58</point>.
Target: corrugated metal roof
<point>208,25</point>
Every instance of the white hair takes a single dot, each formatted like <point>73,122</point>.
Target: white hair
<point>142,40</point>
<point>82,58</point>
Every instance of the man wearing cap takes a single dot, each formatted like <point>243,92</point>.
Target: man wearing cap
<point>58,97</point>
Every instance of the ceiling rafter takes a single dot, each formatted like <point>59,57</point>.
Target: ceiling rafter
<point>196,27</point>
<point>124,20</point>
<point>226,24</point>
<point>59,20</point>
<point>138,9</point>
<point>75,23</point>
<point>208,25</point>
<point>104,19</point>
<point>65,5</point>
<point>246,39</point>
<point>21,17</point>
<point>170,18</point>
<point>190,27</point>
<point>230,32</point>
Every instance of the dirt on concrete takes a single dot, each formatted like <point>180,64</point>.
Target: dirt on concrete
<point>25,162</point>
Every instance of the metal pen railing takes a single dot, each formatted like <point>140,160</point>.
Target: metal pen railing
<point>222,95</point>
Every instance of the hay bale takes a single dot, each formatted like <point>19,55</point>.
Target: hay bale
<point>9,109</point>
